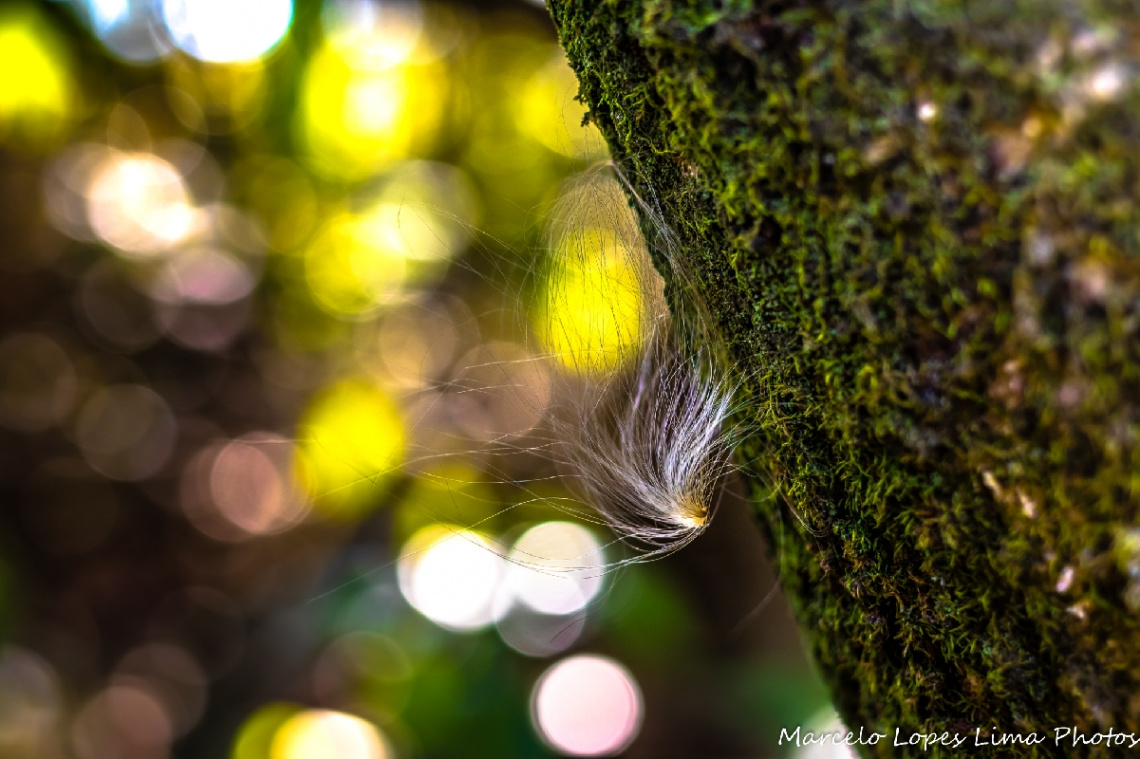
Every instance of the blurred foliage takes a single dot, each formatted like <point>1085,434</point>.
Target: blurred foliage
<point>265,305</point>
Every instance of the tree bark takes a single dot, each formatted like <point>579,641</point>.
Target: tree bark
<point>916,225</point>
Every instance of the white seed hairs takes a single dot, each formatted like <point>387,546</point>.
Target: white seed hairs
<point>652,451</point>
<point>642,420</point>
<point>641,412</point>
<point>650,446</point>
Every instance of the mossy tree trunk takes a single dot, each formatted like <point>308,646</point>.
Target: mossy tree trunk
<point>917,224</point>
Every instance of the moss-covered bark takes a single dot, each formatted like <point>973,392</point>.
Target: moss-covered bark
<point>918,226</point>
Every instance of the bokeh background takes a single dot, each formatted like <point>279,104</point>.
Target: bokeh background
<point>273,473</point>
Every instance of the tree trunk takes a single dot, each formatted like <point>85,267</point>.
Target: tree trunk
<point>916,224</point>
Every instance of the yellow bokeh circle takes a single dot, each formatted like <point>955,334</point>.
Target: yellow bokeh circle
<point>351,443</point>
<point>352,267</point>
<point>37,96</point>
<point>356,120</point>
<point>591,314</point>
<point>326,734</point>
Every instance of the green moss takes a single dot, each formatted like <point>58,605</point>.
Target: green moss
<point>937,310</point>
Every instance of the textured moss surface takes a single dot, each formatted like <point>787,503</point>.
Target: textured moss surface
<point>918,225</point>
